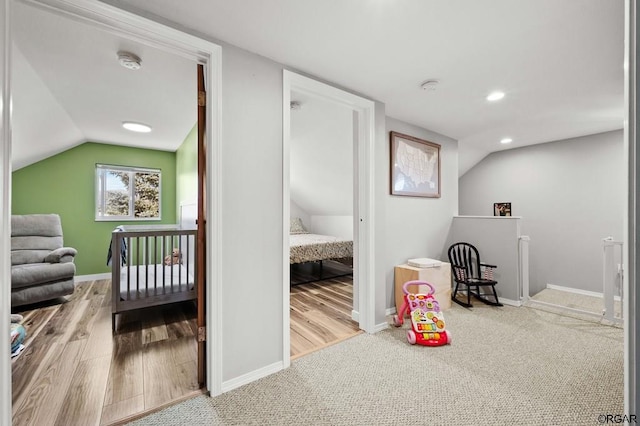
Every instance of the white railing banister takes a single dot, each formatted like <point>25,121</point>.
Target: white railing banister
<point>611,277</point>
<point>524,267</point>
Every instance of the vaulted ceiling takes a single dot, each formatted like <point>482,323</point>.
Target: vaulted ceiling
<point>559,63</point>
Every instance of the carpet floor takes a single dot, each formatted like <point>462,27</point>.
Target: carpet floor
<point>582,302</point>
<point>506,366</point>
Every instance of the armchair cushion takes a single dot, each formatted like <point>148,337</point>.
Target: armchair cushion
<point>40,273</point>
<point>41,267</point>
<point>61,255</point>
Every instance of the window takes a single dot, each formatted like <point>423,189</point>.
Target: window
<point>127,193</point>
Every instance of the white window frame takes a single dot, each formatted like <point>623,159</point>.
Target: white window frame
<point>101,190</point>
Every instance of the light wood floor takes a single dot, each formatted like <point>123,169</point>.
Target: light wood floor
<point>321,314</point>
<point>74,372</point>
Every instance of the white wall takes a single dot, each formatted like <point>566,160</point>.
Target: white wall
<point>497,241</point>
<point>39,121</point>
<point>414,227</point>
<point>297,211</point>
<point>337,226</point>
<point>251,211</point>
<point>321,159</point>
<point>570,195</point>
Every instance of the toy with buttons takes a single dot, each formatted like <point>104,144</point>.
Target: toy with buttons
<point>427,320</point>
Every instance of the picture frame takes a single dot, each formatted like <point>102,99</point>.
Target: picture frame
<point>415,166</point>
<point>502,209</point>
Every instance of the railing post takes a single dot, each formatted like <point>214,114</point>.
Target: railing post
<point>523,246</point>
<point>611,275</point>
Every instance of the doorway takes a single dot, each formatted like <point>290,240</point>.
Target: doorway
<point>321,240</point>
<point>154,35</point>
<point>363,111</point>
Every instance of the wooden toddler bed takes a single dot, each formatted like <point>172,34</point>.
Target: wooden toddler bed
<point>152,265</point>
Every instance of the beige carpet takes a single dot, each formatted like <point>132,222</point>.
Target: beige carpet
<point>506,366</point>
<point>575,301</point>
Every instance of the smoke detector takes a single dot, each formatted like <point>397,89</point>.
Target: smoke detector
<point>129,60</point>
<point>430,85</point>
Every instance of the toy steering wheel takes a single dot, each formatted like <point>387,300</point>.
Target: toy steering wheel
<point>418,282</point>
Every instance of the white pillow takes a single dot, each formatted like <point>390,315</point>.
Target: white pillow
<point>296,226</point>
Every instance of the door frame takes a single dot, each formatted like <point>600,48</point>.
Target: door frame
<point>150,33</point>
<point>632,216</point>
<point>363,214</point>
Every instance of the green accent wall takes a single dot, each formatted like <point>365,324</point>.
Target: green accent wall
<point>65,184</point>
<point>187,169</point>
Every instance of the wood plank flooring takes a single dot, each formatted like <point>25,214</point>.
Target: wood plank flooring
<point>321,314</point>
<point>301,273</point>
<point>75,372</point>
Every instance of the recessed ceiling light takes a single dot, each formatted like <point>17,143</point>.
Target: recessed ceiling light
<point>136,127</point>
<point>495,96</point>
<point>506,140</point>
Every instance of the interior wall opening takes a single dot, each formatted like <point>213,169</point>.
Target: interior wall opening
<point>322,185</point>
<point>72,335</point>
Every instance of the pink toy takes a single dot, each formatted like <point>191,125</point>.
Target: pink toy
<point>427,321</point>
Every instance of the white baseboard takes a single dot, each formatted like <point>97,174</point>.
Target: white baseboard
<point>579,291</point>
<point>380,327</point>
<point>502,300</point>
<point>510,302</point>
<point>355,315</point>
<point>92,277</point>
<point>252,376</point>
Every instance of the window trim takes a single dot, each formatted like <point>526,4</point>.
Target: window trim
<point>100,189</point>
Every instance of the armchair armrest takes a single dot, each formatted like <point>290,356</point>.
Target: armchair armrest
<point>486,265</point>
<point>61,255</point>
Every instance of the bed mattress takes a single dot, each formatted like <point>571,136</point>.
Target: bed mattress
<point>314,247</point>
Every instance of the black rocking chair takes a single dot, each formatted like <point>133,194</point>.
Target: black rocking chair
<point>469,271</point>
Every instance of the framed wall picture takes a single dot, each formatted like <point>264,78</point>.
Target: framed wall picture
<point>415,166</point>
<point>502,209</point>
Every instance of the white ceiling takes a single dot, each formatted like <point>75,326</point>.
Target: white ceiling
<point>560,64</point>
<point>69,88</point>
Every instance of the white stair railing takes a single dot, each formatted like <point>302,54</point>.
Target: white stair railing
<point>523,255</point>
<point>612,278</point>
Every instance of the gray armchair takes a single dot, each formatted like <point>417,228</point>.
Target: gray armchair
<point>41,268</point>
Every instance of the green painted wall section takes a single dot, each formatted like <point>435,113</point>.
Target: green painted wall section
<point>187,169</point>
<point>65,184</point>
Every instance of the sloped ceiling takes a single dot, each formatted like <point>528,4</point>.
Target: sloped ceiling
<point>560,63</point>
<point>68,88</point>
<point>321,157</point>
<point>41,126</point>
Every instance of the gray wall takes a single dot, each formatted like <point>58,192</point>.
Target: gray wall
<point>416,227</point>
<point>570,195</point>
<point>251,209</point>
<point>496,239</point>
